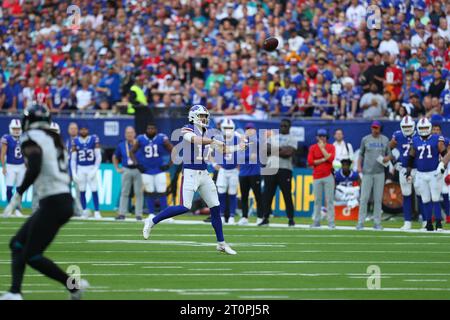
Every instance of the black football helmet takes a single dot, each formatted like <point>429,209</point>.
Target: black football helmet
<point>36,116</point>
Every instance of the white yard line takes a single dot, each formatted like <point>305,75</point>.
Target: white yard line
<point>150,290</point>
<point>111,220</point>
<point>425,280</point>
<point>256,262</point>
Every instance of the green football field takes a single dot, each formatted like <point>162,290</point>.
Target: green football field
<point>179,261</point>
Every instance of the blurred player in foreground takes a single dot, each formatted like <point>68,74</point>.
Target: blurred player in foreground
<point>46,160</point>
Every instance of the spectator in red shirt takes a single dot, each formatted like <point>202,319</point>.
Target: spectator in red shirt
<point>393,78</point>
<point>42,93</point>
<point>320,157</point>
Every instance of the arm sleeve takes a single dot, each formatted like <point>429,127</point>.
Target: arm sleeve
<point>34,163</point>
<point>98,158</point>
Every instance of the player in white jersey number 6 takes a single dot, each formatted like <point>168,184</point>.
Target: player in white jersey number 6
<point>197,147</point>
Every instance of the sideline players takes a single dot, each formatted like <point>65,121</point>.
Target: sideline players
<point>148,153</point>
<point>401,141</point>
<point>228,173</point>
<point>13,166</point>
<point>85,162</point>
<point>47,170</point>
<point>197,143</point>
<point>426,150</point>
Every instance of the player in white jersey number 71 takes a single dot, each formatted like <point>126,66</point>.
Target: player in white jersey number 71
<point>197,145</point>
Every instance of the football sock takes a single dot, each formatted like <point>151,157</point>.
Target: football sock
<point>421,208</point>
<point>17,267</point>
<point>9,193</point>
<point>169,213</point>
<point>428,210</point>
<point>150,204</point>
<point>223,203</point>
<point>446,204</point>
<point>437,211</point>
<point>217,223</point>
<point>95,199</point>
<point>233,204</point>
<point>407,207</point>
<point>163,202</point>
<point>83,199</point>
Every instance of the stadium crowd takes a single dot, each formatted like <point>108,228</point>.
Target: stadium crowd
<point>335,59</point>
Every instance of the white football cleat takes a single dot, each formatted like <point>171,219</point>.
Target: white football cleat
<point>231,220</point>
<point>406,226</point>
<point>259,220</point>
<point>83,285</point>
<point>11,296</point>
<point>243,222</point>
<point>223,220</point>
<point>97,215</point>
<point>148,225</point>
<point>225,247</point>
<point>18,213</point>
<point>85,214</point>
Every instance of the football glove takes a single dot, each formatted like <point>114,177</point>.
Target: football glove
<point>441,168</point>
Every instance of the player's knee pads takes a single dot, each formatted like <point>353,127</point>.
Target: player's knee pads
<point>15,245</point>
<point>31,259</point>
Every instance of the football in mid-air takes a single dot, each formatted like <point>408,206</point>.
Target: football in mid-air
<point>270,44</point>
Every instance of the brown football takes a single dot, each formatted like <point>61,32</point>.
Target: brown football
<point>270,44</point>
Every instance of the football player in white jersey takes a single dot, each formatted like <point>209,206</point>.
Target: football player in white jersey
<point>47,170</point>
<point>197,144</point>
<point>13,166</point>
<point>228,173</point>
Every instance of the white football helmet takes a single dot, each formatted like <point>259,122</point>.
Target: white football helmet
<point>195,112</point>
<point>15,128</point>
<point>55,127</point>
<point>424,127</point>
<point>227,124</point>
<point>407,125</point>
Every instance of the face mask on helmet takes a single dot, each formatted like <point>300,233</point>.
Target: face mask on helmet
<point>407,130</point>
<point>407,126</point>
<point>199,115</point>
<point>15,128</point>
<point>424,129</point>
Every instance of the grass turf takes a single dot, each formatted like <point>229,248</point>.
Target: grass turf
<point>180,262</point>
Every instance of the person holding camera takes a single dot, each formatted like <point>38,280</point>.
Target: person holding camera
<point>320,158</point>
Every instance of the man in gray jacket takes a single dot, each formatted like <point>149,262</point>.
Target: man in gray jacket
<point>374,155</point>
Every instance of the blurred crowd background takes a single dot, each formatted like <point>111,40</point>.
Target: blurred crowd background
<point>336,59</point>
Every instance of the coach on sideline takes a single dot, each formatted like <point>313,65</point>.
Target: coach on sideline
<point>374,154</point>
<point>320,157</point>
<point>130,175</point>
